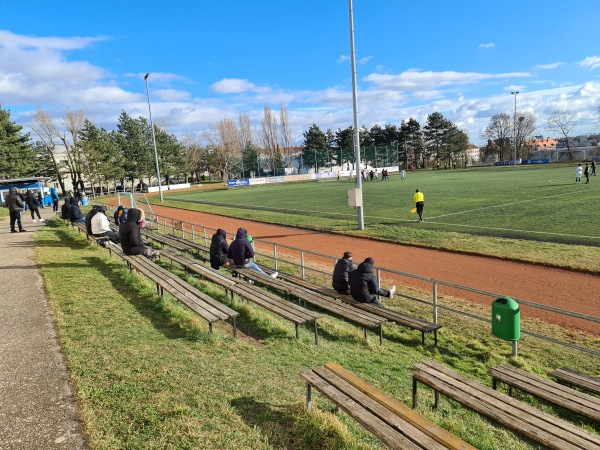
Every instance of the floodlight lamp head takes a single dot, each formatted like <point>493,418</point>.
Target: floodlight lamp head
<point>146,76</point>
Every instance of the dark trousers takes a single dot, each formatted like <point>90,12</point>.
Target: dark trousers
<point>55,205</point>
<point>34,211</point>
<point>110,235</point>
<point>15,216</point>
<point>419,206</point>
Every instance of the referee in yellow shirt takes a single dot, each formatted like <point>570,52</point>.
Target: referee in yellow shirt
<point>419,199</point>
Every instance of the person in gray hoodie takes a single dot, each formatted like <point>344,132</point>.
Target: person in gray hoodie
<point>15,206</point>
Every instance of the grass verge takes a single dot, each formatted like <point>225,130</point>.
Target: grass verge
<point>149,376</point>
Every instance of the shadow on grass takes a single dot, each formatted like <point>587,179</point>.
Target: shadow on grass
<point>274,421</point>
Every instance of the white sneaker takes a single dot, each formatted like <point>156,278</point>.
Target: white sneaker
<point>250,281</point>
<point>42,220</point>
<point>274,274</point>
<point>392,290</point>
<point>34,220</point>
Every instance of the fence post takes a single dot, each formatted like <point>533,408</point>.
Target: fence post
<point>182,229</point>
<point>172,226</point>
<point>204,232</point>
<point>378,281</point>
<point>435,308</point>
<point>275,255</point>
<point>302,263</point>
<point>193,234</point>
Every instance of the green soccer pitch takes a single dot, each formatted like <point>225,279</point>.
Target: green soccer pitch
<point>539,203</point>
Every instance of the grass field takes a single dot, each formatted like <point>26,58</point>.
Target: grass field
<point>148,375</point>
<point>531,213</point>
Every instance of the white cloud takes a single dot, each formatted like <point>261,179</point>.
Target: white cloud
<point>342,59</point>
<point>11,40</point>
<point>555,65</point>
<point>490,45</point>
<point>365,59</point>
<point>172,95</point>
<point>593,62</point>
<point>232,86</point>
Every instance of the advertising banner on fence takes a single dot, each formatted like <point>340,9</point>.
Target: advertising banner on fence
<point>235,183</point>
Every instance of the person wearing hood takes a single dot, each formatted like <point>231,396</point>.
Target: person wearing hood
<point>75,214</point>
<point>130,236</point>
<point>64,209</point>
<point>54,197</point>
<point>120,215</point>
<point>364,286</point>
<point>341,274</point>
<point>15,205</point>
<point>101,227</point>
<point>218,249</point>
<point>31,200</point>
<point>88,218</point>
<point>241,252</point>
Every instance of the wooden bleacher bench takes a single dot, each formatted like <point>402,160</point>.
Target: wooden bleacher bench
<point>550,391</point>
<point>324,302</point>
<point>412,322</point>
<point>541,427</point>
<point>80,226</point>
<point>391,421</point>
<point>195,245</point>
<point>277,305</point>
<point>164,240</point>
<point>192,265</point>
<point>573,378</point>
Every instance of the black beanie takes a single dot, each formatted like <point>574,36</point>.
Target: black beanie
<point>347,255</point>
<point>370,261</point>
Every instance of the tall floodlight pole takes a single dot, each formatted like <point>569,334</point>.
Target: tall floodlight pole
<point>515,128</point>
<point>153,139</point>
<point>361,218</point>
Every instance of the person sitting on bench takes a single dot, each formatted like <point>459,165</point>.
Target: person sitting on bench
<point>130,236</point>
<point>364,286</point>
<point>341,274</point>
<point>241,252</point>
<point>101,227</point>
<point>218,249</point>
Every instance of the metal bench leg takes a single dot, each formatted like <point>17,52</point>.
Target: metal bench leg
<point>365,333</point>
<point>494,383</point>
<point>380,334</point>
<point>510,391</point>
<point>234,327</point>
<point>435,337</point>
<point>308,396</point>
<point>316,335</point>
<point>297,334</point>
<point>210,327</point>
<point>436,402</point>
<point>414,392</point>
<point>423,337</point>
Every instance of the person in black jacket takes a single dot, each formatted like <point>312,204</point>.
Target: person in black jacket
<point>130,236</point>
<point>75,214</point>
<point>364,286</point>
<point>341,274</point>
<point>31,200</point>
<point>15,205</point>
<point>218,249</point>
<point>64,209</point>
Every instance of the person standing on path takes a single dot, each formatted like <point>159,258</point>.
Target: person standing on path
<point>586,172</point>
<point>15,206</point>
<point>578,174</point>
<point>54,197</point>
<point>419,200</point>
<point>593,168</point>
<point>32,202</point>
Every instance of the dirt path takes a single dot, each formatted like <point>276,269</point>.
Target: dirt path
<point>554,287</point>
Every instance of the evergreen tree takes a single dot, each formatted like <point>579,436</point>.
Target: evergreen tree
<point>134,138</point>
<point>17,157</point>
<point>314,153</point>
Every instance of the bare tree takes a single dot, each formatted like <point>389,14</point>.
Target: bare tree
<point>269,134</point>
<point>45,129</point>
<point>196,155</point>
<point>561,121</point>
<point>286,133</point>
<point>526,125</point>
<point>73,122</point>
<point>223,143</point>
<point>499,132</point>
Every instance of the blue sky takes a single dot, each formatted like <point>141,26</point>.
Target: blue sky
<point>213,60</point>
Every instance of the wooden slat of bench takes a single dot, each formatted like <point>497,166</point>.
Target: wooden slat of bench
<point>371,422</point>
<point>185,292</point>
<point>541,427</point>
<point>578,379</point>
<point>277,305</point>
<point>201,269</point>
<point>166,241</point>
<point>548,390</point>
<point>440,435</point>
<point>195,245</point>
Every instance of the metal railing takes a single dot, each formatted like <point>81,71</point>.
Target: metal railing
<point>310,271</point>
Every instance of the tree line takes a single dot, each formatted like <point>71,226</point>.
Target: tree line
<point>439,141</point>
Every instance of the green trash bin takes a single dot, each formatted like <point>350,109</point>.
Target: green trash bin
<point>506,319</point>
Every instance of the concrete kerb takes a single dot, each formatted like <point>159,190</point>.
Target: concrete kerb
<point>37,406</point>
